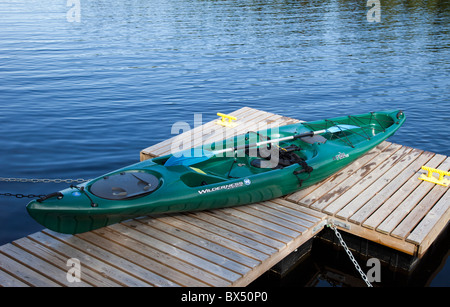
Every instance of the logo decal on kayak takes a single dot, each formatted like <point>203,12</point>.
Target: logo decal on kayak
<point>226,186</point>
<point>340,156</point>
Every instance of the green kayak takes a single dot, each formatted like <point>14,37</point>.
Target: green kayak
<point>248,168</point>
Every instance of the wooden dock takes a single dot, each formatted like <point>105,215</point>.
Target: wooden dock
<point>378,197</point>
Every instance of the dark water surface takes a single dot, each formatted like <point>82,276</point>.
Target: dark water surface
<point>79,99</point>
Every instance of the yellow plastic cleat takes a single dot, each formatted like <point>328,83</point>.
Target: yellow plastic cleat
<point>430,178</point>
<point>227,120</point>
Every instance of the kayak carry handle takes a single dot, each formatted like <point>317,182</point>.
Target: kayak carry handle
<point>299,171</point>
<point>59,195</point>
<point>305,168</point>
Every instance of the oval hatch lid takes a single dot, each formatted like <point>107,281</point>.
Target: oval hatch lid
<point>125,185</point>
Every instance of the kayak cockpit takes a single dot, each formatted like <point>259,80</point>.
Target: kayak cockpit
<point>361,128</point>
<point>243,164</point>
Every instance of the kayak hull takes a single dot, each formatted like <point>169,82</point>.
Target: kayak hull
<point>230,179</point>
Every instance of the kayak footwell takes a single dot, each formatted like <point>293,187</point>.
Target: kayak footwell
<point>377,197</point>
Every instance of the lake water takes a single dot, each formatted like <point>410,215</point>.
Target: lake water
<point>85,85</point>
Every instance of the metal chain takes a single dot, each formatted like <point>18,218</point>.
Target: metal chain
<point>35,180</point>
<point>21,195</point>
<point>350,255</point>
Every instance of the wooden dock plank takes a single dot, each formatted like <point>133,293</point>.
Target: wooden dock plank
<point>198,241</point>
<point>425,232</point>
<point>107,274</point>
<point>218,238</point>
<point>402,210</point>
<point>205,130</point>
<point>422,208</point>
<point>310,195</point>
<point>53,268</point>
<point>396,199</point>
<point>248,120</point>
<point>332,202</point>
<point>362,185</point>
<point>393,186</point>
<point>7,280</point>
<point>314,215</point>
<point>212,132</point>
<point>163,263</point>
<point>238,232</point>
<point>301,217</point>
<point>298,222</point>
<point>276,257</point>
<point>374,236</point>
<point>203,258</point>
<point>22,272</point>
<point>89,276</point>
<point>197,250</point>
<point>131,275</point>
<point>256,121</point>
<point>199,131</point>
<point>327,191</point>
<point>378,185</point>
<point>270,221</point>
<point>251,229</point>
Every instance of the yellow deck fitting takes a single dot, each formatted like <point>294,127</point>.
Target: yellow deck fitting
<point>227,120</point>
<point>430,178</point>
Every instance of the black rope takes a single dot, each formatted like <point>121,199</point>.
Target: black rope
<point>84,192</point>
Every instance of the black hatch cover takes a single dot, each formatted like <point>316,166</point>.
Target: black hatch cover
<point>125,185</point>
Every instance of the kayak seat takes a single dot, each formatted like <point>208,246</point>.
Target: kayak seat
<point>314,139</point>
<point>263,163</point>
<point>286,157</point>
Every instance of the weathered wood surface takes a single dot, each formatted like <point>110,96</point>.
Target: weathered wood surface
<point>227,247</point>
<point>380,198</point>
<point>248,119</point>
